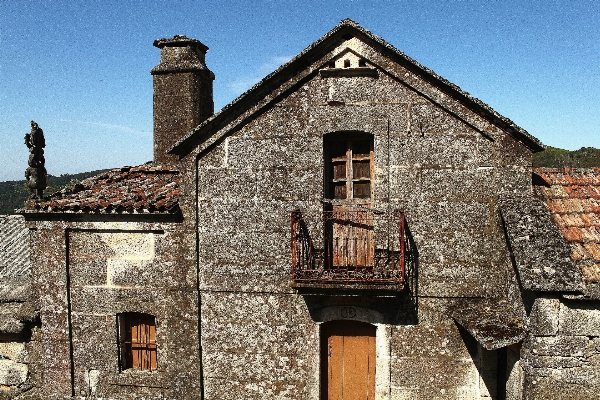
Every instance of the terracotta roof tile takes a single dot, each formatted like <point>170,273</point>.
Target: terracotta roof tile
<point>578,252</point>
<point>571,234</point>
<point>591,219</point>
<point>591,273</point>
<point>594,249</point>
<point>146,189</point>
<point>555,206</point>
<point>572,196</point>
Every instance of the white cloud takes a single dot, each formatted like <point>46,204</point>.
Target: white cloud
<point>110,126</point>
<point>245,82</point>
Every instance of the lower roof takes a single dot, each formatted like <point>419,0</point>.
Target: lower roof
<point>572,197</point>
<point>145,189</point>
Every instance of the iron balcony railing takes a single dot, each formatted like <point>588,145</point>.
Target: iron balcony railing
<point>356,247</point>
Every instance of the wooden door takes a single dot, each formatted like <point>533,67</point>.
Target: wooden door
<point>348,361</point>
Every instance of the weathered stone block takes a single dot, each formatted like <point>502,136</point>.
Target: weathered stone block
<point>433,374</point>
<point>544,316</point>
<point>14,351</point>
<point>579,318</point>
<point>565,346</point>
<point>260,308</point>
<point>442,341</point>
<point>254,338</point>
<point>247,154</point>
<point>94,342</point>
<point>447,216</point>
<point>225,389</point>
<point>457,183</point>
<point>85,272</point>
<point>12,373</point>
<point>429,150</point>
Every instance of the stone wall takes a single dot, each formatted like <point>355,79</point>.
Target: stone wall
<point>561,356</point>
<point>434,159</point>
<point>105,269</point>
<point>15,360</point>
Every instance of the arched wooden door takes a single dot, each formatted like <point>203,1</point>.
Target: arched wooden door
<point>347,361</point>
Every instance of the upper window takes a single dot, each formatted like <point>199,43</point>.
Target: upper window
<point>137,341</point>
<point>349,165</point>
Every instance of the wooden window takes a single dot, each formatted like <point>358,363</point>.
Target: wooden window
<point>349,169</point>
<point>137,341</point>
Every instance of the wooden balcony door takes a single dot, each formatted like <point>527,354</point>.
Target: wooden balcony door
<point>349,178</point>
<point>348,361</point>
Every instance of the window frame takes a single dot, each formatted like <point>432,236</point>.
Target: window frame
<point>143,327</point>
<point>348,139</point>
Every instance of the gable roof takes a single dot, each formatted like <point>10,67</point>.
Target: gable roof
<point>572,196</point>
<point>146,189</point>
<point>274,85</point>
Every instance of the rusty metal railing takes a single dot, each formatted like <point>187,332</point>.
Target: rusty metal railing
<point>348,247</point>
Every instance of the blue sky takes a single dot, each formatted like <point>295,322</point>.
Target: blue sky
<point>82,69</point>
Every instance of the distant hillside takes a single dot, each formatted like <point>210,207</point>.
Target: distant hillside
<point>14,193</point>
<point>558,158</point>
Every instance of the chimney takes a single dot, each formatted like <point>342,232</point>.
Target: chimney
<point>183,94</point>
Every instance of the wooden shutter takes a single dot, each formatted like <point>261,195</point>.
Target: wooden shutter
<point>349,158</point>
<point>138,341</point>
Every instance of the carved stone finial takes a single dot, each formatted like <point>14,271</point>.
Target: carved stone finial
<point>35,174</point>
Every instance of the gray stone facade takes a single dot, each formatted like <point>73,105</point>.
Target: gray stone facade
<point>467,322</point>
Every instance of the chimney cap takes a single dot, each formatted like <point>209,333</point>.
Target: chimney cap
<point>180,41</point>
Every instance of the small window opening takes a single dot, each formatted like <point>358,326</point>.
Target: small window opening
<point>362,63</point>
<point>332,64</point>
<point>137,341</point>
<point>346,63</point>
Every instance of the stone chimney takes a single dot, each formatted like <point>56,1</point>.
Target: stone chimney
<point>183,93</point>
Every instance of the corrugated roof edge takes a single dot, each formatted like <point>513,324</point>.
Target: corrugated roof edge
<point>477,105</point>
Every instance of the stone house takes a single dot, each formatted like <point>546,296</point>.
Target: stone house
<point>353,225</point>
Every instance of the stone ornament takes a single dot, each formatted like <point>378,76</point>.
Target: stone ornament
<point>35,174</point>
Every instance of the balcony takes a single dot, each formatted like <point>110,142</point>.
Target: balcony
<point>348,249</point>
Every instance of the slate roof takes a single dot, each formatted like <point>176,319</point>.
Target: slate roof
<point>540,254</point>
<point>145,189</point>
<point>15,279</point>
<point>572,196</point>
<point>495,323</point>
<point>272,86</point>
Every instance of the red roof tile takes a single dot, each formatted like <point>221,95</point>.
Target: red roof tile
<point>146,189</point>
<point>573,198</point>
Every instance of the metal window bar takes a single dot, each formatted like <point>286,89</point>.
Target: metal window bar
<point>361,247</point>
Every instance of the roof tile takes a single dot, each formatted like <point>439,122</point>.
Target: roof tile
<point>591,273</point>
<point>594,249</point>
<point>572,196</point>
<point>128,190</point>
